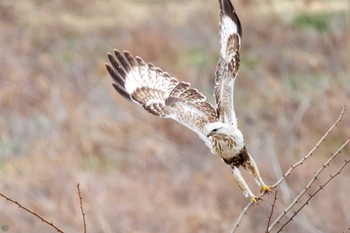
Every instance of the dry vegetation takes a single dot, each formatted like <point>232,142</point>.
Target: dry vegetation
<point>62,123</point>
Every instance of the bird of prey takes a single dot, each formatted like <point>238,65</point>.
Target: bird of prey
<point>165,96</point>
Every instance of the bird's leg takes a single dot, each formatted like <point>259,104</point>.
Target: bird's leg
<point>251,166</point>
<point>243,185</point>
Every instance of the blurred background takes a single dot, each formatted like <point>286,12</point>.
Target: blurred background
<point>62,123</point>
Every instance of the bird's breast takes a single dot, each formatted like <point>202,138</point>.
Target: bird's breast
<point>225,147</point>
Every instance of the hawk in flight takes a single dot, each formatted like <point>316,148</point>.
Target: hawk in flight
<point>165,96</point>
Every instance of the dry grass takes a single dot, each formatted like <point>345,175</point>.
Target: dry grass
<point>62,123</point>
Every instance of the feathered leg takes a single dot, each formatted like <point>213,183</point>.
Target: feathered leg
<point>242,184</point>
<point>251,166</point>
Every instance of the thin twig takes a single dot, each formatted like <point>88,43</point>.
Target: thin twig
<point>246,208</point>
<point>347,229</point>
<point>32,213</point>
<point>240,217</point>
<point>271,212</point>
<point>312,150</point>
<point>306,224</point>
<point>331,177</point>
<point>81,206</point>
<point>307,187</point>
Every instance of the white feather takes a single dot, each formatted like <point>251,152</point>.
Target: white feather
<point>228,27</point>
<point>131,83</point>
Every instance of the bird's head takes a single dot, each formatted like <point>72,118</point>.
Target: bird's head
<point>219,130</point>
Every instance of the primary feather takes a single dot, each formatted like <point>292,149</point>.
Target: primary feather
<point>159,93</point>
<point>228,65</point>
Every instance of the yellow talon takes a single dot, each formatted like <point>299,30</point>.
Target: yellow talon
<point>254,200</point>
<point>265,189</point>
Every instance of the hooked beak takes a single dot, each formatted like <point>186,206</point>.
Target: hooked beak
<point>210,134</point>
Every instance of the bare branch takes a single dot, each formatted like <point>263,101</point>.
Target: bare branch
<point>240,217</point>
<point>271,212</point>
<point>32,213</point>
<point>347,229</point>
<point>307,187</point>
<point>81,206</point>
<point>331,177</point>
<point>312,150</point>
<point>289,171</point>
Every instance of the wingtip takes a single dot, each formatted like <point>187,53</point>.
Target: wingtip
<point>116,52</point>
<point>226,6</point>
<point>109,55</point>
<point>122,91</point>
<point>128,55</point>
<point>227,9</point>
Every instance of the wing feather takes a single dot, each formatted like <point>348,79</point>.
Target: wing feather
<point>228,65</point>
<point>159,93</point>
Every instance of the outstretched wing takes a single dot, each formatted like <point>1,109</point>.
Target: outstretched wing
<point>159,93</point>
<point>228,66</point>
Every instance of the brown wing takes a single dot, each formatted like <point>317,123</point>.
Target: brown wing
<point>159,93</point>
<point>228,65</point>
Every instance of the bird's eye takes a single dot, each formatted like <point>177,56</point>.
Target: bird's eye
<point>215,130</point>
